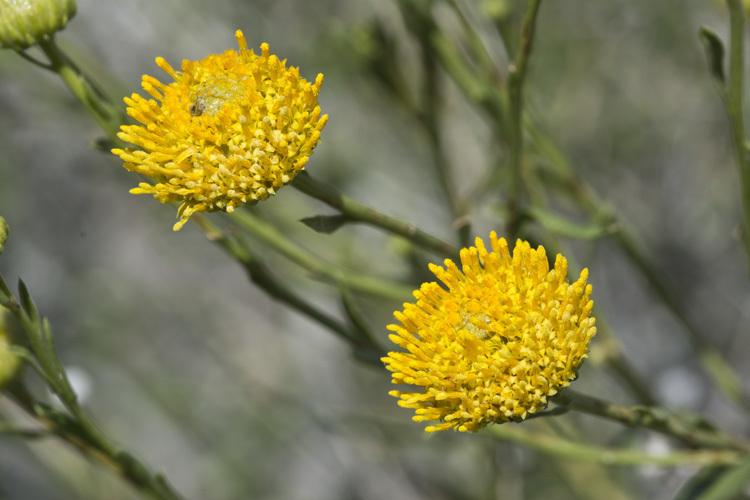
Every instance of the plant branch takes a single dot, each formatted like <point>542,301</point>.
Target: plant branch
<point>83,88</point>
<point>74,427</point>
<point>360,212</point>
<point>316,266</point>
<point>692,431</point>
<point>735,108</point>
<point>570,450</point>
<point>262,277</point>
<point>516,79</point>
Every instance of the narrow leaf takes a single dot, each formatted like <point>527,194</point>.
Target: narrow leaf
<point>565,227</point>
<point>27,303</point>
<point>325,224</point>
<point>715,54</point>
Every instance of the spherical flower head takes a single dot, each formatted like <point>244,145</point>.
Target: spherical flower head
<point>24,23</point>
<point>501,336</point>
<point>231,129</point>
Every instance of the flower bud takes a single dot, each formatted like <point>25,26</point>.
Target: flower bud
<point>10,364</point>
<point>4,230</point>
<point>24,23</point>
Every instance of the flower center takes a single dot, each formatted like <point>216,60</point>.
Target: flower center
<point>212,94</point>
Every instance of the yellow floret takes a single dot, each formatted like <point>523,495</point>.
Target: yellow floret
<point>503,335</point>
<point>231,129</point>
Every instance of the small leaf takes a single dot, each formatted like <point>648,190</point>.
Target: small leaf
<point>26,302</point>
<point>325,224</point>
<point>565,227</point>
<point>715,53</point>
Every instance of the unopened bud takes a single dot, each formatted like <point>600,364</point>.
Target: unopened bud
<point>10,364</point>
<point>24,23</point>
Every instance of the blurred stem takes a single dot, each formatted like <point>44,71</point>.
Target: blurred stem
<point>431,107</point>
<point>316,266</point>
<point>617,362</point>
<point>261,276</point>
<point>570,450</point>
<point>475,44</point>
<point>84,89</point>
<point>692,433</point>
<point>517,74</point>
<point>152,486</point>
<point>75,427</point>
<point>711,359</point>
<point>586,198</point>
<point>614,358</point>
<point>360,212</point>
<point>735,108</point>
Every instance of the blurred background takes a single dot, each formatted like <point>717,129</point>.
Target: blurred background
<point>180,358</point>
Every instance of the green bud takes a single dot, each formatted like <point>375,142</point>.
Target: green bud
<point>497,10</point>
<point>24,23</point>
<point>4,230</point>
<point>10,364</point>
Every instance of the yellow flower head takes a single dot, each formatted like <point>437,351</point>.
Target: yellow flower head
<point>231,129</point>
<point>503,335</point>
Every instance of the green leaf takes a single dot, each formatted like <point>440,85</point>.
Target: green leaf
<point>715,54</point>
<point>718,483</point>
<point>26,302</point>
<point>565,227</point>
<point>325,224</point>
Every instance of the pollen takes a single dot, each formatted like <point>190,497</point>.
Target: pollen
<point>494,342</point>
<point>230,130</point>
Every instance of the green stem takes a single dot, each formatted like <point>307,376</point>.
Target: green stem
<point>76,427</point>
<point>711,359</point>
<point>78,433</point>
<point>360,212</point>
<point>316,266</point>
<point>582,193</point>
<point>696,434</point>
<point>735,107</point>
<point>262,277</point>
<point>98,105</point>
<point>570,450</point>
<point>516,78</point>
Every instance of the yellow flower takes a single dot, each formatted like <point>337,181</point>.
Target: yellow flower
<point>495,342</point>
<point>231,129</point>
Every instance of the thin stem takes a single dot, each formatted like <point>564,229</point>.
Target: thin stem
<point>84,89</point>
<point>316,266</point>
<point>586,198</point>
<point>35,61</point>
<point>735,106</point>
<point>515,110</point>
<point>570,450</point>
<point>74,427</point>
<point>360,212</point>
<point>262,277</point>
<point>695,432</point>
<point>70,430</point>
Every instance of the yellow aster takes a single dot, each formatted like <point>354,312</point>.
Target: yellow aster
<point>491,345</point>
<point>231,129</point>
